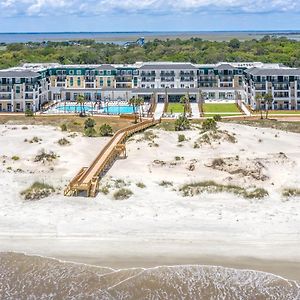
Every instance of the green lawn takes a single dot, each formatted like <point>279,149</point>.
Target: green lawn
<point>220,108</point>
<point>175,108</point>
<point>284,112</point>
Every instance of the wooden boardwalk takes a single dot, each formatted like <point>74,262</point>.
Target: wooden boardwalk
<point>87,179</point>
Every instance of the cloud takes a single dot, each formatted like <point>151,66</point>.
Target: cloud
<point>100,7</point>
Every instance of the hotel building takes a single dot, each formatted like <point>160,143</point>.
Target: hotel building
<point>30,86</point>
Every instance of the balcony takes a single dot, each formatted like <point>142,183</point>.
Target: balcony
<point>226,79</point>
<point>5,90</point>
<point>185,79</point>
<point>5,97</point>
<point>165,74</point>
<point>144,79</point>
<point>90,79</point>
<point>281,87</point>
<point>169,79</point>
<point>182,73</point>
<point>61,78</point>
<point>260,87</point>
<point>148,74</point>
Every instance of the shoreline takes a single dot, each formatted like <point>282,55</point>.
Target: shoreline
<point>128,254</point>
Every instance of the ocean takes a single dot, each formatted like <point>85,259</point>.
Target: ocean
<point>33,277</point>
<point>120,37</point>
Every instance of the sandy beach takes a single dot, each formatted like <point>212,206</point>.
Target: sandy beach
<point>157,225</point>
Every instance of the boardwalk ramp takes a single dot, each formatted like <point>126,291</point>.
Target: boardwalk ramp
<point>87,179</point>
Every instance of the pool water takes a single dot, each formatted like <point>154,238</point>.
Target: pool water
<point>113,110</point>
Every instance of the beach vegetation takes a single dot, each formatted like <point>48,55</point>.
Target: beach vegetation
<point>15,158</point>
<point>29,113</point>
<point>63,142</point>
<point>123,194</point>
<point>209,125</point>
<point>64,127</point>
<point>165,183</point>
<point>44,156</point>
<point>141,185</point>
<point>196,188</point>
<point>291,192</point>
<point>38,190</point>
<point>182,123</point>
<point>181,138</point>
<point>105,130</point>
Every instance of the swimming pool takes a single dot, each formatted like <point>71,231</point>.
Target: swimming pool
<point>116,110</point>
<point>113,110</point>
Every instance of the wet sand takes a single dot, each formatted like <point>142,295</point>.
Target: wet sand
<point>124,254</point>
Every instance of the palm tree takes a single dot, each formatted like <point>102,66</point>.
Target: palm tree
<point>134,102</point>
<point>258,100</point>
<point>268,101</point>
<point>81,100</point>
<point>185,100</point>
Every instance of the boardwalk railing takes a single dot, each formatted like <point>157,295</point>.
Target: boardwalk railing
<point>87,179</point>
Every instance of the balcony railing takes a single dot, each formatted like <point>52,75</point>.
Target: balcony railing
<point>164,74</point>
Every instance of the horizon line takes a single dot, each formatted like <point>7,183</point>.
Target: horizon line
<point>154,31</point>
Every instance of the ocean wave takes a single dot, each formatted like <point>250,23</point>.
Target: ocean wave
<point>34,277</point>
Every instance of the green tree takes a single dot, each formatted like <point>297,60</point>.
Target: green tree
<point>268,101</point>
<point>135,102</point>
<point>234,43</point>
<point>80,99</point>
<point>185,101</point>
<point>258,100</point>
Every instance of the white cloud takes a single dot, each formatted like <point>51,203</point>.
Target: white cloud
<point>98,7</point>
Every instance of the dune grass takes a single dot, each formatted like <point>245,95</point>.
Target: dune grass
<point>196,188</point>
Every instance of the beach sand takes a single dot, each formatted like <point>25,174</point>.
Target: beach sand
<point>157,225</point>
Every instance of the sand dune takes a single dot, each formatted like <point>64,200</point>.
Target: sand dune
<point>157,222</point>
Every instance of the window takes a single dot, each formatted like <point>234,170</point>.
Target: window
<point>78,81</point>
<point>71,72</point>
<point>78,72</point>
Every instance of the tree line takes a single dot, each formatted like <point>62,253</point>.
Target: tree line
<point>268,49</point>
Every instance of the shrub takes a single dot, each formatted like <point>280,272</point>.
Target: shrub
<point>43,156</point>
<point>63,142</point>
<point>104,190</point>
<point>182,123</point>
<point>90,132</point>
<point>38,191</point>
<point>29,113</point>
<point>217,162</point>
<point>181,138</point>
<point>122,194</point>
<point>291,192</point>
<point>217,118</point>
<point>105,130</point>
<point>209,124</point>
<point>89,123</point>
<point>141,185</point>
<point>166,183</point>
<point>15,158</point>
<point>63,127</point>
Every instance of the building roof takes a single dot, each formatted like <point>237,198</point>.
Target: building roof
<point>273,72</point>
<point>105,67</point>
<point>18,74</point>
<point>224,66</point>
<point>168,66</point>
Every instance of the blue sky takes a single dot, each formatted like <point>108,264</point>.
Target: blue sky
<point>148,15</point>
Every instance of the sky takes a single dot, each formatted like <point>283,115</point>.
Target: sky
<point>148,15</point>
